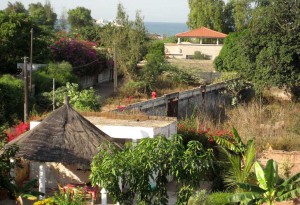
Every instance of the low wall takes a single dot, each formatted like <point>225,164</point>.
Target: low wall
<point>208,100</point>
<point>286,160</point>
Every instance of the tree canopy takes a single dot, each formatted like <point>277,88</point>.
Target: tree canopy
<point>268,53</point>
<point>43,15</point>
<point>80,17</point>
<point>208,13</point>
<point>129,40</point>
<point>15,40</point>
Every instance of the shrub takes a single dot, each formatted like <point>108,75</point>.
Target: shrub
<point>200,56</point>
<point>132,88</point>
<point>202,198</point>
<point>82,100</point>
<point>61,72</point>
<point>47,201</point>
<point>199,197</point>
<point>11,99</point>
<point>81,54</point>
<point>66,199</point>
<point>218,198</point>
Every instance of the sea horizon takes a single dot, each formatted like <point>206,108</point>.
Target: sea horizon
<point>165,28</point>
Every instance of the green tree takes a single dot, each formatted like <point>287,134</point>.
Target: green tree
<point>228,19</point>
<point>242,13</point>
<point>80,17</point>
<point>208,13</point>
<point>128,38</point>
<point>43,15</point>
<point>15,41</point>
<point>11,99</point>
<point>143,169</point>
<point>16,7</point>
<point>268,54</point>
<point>270,188</point>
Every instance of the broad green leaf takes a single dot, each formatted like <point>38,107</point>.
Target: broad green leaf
<point>260,175</point>
<point>271,173</point>
<point>245,196</point>
<point>251,188</point>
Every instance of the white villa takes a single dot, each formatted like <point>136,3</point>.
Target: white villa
<point>207,41</point>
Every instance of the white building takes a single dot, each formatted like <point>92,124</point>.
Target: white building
<point>207,41</point>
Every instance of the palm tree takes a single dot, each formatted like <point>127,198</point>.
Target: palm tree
<point>270,188</point>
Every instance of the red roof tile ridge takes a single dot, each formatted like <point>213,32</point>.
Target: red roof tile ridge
<point>202,32</point>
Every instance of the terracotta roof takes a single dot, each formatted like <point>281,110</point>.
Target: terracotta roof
<point>202,32</point>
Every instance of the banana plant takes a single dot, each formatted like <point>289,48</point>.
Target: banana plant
<point>240,158</point>
<point>270,188</point>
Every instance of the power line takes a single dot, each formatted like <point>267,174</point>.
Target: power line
<point>85,64</point>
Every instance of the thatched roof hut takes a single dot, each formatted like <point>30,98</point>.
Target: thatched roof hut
<point>65,137</point>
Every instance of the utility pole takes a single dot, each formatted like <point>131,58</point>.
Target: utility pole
<point>53,94</point>
<point>115,70</point>
<point>25,90</point>
<point>31,47</point>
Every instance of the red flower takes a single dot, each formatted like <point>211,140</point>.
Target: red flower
<point>17,130</point>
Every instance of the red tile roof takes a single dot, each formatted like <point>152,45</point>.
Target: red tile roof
<point>202,32</point>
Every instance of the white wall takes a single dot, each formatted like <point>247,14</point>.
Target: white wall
<point>59,173</point>
<point>174,50</point>
<point>138,132</point>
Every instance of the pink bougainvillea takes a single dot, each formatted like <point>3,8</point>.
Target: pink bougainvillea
<point>82,55</point>
<point>17,130</point>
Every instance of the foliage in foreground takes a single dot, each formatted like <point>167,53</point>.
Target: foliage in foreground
<point>270,188</point>
<point>143,169</point>
<point>62,198</point>
<point>7,181</point>
<point>240,158</point>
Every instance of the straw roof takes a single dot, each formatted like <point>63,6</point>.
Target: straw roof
<point>64,136</point>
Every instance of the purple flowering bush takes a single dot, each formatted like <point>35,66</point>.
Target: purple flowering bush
<point>82,55</point>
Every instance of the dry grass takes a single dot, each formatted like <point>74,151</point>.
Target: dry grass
<point>276,125</point>
<point>197,65</point>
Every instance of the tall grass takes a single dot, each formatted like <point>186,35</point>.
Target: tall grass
<point>275,124</point>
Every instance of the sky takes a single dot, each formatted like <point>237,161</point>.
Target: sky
<point>152,10</point>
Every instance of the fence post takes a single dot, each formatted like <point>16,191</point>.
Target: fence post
<point>103,196</point>
<point>42,180</point>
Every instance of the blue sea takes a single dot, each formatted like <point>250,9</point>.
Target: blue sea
<point>165,29</point>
